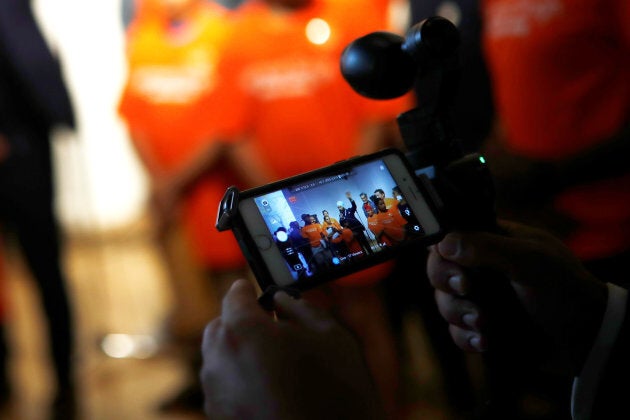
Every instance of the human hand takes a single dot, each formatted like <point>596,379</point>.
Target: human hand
<point>560,296</point>
<point>301,365</point>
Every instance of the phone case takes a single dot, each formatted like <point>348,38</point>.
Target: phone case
<point>229,218</point>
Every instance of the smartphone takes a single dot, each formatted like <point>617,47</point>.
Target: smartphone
<point>321,225</point>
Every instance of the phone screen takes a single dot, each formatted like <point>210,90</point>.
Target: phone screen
<point>321,227</point>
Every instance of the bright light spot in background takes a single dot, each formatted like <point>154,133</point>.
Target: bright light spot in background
<point>317,31</point>
<point>121,346</point>
<point>451,11</point>
<point>99,180</point>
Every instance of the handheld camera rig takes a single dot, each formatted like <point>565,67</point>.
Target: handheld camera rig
<point>383,65</point>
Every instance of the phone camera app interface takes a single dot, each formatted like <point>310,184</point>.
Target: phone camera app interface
<point>336,220</point>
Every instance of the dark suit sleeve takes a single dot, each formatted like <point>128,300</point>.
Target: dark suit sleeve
<point>36,70</point>
<point>611,398</point>
<point>353,207</point>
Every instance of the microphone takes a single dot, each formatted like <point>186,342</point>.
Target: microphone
<point>384,65</point>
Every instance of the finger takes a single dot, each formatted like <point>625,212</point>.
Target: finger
<point>300,310</point>
<point>470,341</point>
<point>461,312</point>
<point>481,249</point>
<point>211,346</point>
<point>215,346</point>
<point>446,275</point>
<point>210,333</point>
<point>216,340</point>
<point>519,230</point>
<point>240,310</point>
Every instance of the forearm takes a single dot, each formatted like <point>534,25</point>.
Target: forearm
<point>353,205</point>
<point>605,160</point>
<point>145,155</point>
<point>255,172</point>
<point>200,163</point>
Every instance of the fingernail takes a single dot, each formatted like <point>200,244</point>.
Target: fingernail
<point>281,296</point>
<point>449,246</point>
<point>470,319</point>
<point>456,283</point>
<point>475,342</point>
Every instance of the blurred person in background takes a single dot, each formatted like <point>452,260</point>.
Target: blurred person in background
<point>290,111</point>
<point>287,92</point>
<point>168,103</point>
<point>34,101</point>
<point>562,93</point>
<point>559,73</point>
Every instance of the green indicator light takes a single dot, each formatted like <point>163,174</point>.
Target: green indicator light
<point>482,159</point>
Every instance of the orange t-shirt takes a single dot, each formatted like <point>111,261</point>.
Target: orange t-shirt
<point>172,85</point>
<point>169,105</point>
<point>392,224</point>
<point>313,233</point>
<point>560,76</point>
<point>288,93</point>
<point>334,223</point>
<point>348,237</point>
<point>374,225</point>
